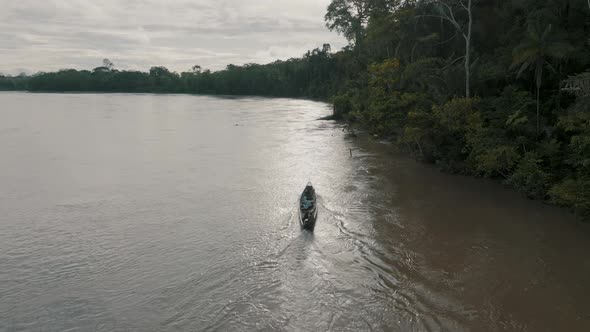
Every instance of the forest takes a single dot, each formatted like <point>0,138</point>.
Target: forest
<point>489,88</point>
<point>315,75</point>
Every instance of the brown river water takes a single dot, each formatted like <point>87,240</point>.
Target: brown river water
<point>179,213</point>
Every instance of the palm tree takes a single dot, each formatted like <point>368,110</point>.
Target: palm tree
<point>533,52</point>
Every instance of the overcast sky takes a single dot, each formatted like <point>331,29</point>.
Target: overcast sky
<point>46,35</point>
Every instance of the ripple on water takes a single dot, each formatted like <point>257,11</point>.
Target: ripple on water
<point>157,212</point>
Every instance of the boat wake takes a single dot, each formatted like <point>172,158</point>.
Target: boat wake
<point>336,275</point>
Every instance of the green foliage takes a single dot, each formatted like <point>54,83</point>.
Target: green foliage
<point>13,83</point>
<point>343,106</point>
<point>497,160</point>
<point>319,74</point>
<point>349,17</point>
<point>388,106</point>
<point>573,192</point>
<point>539,45</point>
<point>455,122</point>
<point>517,129</point>
<point>417,134</point>
<point>456,115</point>
<point>530,178</point>
<point>513,131</point>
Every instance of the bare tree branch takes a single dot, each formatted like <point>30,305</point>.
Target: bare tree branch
<point>447,13</point>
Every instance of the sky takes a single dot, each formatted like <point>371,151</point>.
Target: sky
<point>48,35</point>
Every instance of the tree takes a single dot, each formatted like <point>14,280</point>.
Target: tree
<point>446,10</point>
<point>532,53</point>
<point>349,18</point>
<point>579,85</point>
<point>108,64</point>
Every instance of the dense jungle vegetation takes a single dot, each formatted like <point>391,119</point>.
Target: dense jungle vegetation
<point>490,88</point>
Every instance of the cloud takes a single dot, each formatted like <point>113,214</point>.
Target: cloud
<point>136,34</point>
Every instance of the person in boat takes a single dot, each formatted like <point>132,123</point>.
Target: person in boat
<point>306,203</point>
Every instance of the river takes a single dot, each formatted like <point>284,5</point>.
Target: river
<point>124,212</point>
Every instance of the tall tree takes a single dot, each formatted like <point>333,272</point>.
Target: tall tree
<point>447,10</point>
<point>533,52</point>
<point>349,17</point>
<point>108,64</point>
<point>197,69</point>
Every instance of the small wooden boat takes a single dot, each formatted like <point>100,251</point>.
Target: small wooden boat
<point>308,210</point>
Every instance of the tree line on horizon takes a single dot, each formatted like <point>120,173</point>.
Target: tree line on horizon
<point>489,88</point>
<point>315,75</point>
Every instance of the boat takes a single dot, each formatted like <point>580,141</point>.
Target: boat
<point>308,209</point>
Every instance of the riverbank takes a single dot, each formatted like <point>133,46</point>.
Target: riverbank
<point>363,132</point>
<point>500,261</point>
